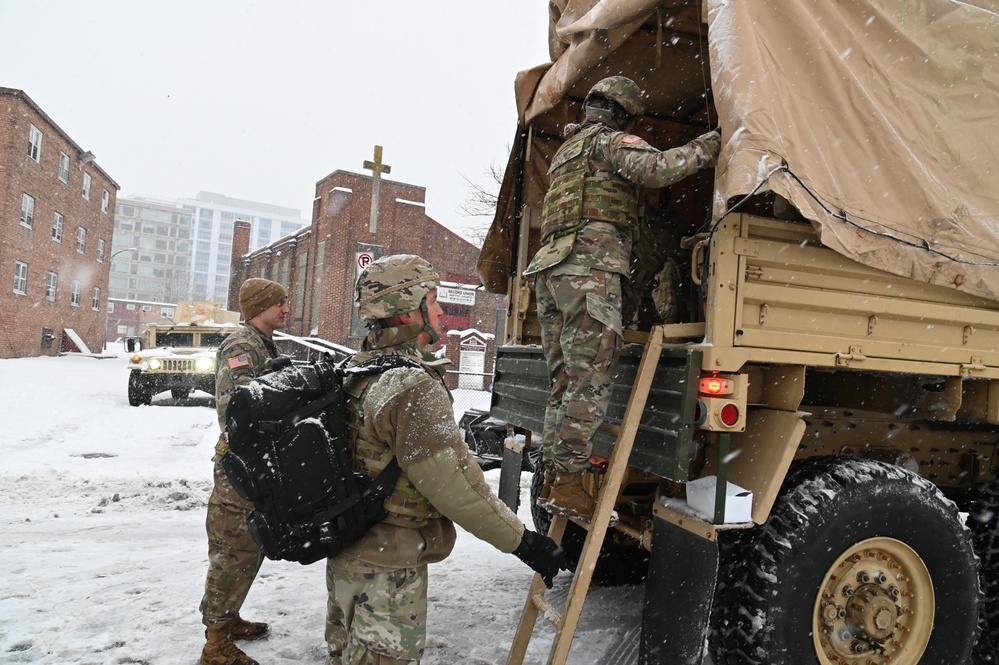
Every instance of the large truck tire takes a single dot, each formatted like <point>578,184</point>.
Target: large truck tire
<point>859,562</point>
<point>618,563</point>
<point>180,393</point>
<point>983,521</point>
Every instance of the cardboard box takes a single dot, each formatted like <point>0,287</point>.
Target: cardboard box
<point>738,500</point>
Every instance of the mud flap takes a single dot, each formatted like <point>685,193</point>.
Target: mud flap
<point>510,467</point>
<point>679,590</point>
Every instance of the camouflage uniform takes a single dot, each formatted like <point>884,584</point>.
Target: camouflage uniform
<point>378,587</point>
<point>233,557</point>
<point>590,214</point>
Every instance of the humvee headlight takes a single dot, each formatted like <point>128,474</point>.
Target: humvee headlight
<point>154,364</point>
<point>204,364</point>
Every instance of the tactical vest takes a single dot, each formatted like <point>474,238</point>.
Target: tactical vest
<point>578,194</point>
<point>406,506</point>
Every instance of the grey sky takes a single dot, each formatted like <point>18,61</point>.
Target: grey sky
<point>259,100</point>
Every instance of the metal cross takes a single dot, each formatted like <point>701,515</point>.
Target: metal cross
<point>377,169</point>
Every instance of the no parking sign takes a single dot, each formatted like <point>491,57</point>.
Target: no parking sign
<point>362,261</point>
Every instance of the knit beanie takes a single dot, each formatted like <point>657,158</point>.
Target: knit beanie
<point>257,294</point>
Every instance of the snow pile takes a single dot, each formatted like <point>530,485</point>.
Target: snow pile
<point>103,554</point>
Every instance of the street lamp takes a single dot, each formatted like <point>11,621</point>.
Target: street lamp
<point>110,261</point>
<point>127,249</point>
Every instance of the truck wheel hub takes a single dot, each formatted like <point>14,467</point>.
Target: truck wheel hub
<point>875,606</point>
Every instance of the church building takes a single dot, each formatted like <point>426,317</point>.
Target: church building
<point>355,220</point>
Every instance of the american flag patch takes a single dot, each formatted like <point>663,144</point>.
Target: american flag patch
<point>239,361</point>
<point>631,138</point>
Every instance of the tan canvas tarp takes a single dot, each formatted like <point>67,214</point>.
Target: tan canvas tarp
<point>886,114</point>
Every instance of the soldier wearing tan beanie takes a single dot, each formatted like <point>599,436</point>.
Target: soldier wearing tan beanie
<point>233,557</point>
<point>257,294</point>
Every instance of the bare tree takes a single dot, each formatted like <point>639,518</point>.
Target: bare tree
<point>481,202</point>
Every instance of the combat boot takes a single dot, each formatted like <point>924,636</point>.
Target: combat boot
<point>221,650</point>
<point>241,629</point>
<point>546,487</point>
<point>569,497</point>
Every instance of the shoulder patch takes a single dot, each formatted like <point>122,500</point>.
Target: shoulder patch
<point>631,138</point>
<point>239,361</point>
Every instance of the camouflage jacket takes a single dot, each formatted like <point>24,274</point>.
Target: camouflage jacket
<point>406,413</point>
<point>606,246</point>
<point>243,355</point>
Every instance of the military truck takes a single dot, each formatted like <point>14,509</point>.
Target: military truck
<point>179,357</point>
<point>835,372</point>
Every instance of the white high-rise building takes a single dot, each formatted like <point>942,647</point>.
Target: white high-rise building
<point>212,217</point>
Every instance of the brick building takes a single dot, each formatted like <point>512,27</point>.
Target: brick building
<point>320,263</point>
<point>56,221</point>
<point>129,318</point>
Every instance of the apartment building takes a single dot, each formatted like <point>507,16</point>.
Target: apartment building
<point>56,222</point>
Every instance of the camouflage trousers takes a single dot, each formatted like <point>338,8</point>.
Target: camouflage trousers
<point>375,615</point>
<point>233,557</point>
<point>579,310</point>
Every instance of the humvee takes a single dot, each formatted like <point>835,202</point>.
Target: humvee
<point>179,357</point>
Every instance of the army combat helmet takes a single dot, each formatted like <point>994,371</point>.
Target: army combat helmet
<point>393,285</point>
<point>619,89</point>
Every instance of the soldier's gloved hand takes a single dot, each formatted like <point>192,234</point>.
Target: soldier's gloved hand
<point>706,147</point>
<point>277,364</point>
<point>542,555</point>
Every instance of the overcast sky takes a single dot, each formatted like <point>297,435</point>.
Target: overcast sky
<point>260,100</point>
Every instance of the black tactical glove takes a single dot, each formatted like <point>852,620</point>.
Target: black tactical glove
<point>541,554</point>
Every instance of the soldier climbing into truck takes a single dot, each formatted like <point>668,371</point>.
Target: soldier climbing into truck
<point>588,219</point>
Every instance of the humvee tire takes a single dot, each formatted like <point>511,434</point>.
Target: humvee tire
<point>180,393</point>
<point>859,561</point>
<point>139,391</point>
<point>983,521</point>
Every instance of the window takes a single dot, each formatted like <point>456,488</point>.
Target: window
<point>110,307</point>
<point>100,250</point>
<point>166,312</point>
<point>34,143</point>
<point>147,308</point>
<point>105,201</point>
<point>74,297</point>
<point>95,303</point>
<point>81,240</point>
<point>50,286</point>
<point>27,210</point>
<point>57,223</point>
<point>63,166</point>
<point>130,306</point>
<point>20,278</point>
<point>86,186</point>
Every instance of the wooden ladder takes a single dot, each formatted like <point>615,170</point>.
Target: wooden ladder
<point>566,621</point>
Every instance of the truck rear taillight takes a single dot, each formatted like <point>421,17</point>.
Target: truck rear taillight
<point>715,385</point>
<point>721,402</point>
<point>729,415</point>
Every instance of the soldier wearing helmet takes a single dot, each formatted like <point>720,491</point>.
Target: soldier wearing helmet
<point>406,413</point>
<point>588,217</point>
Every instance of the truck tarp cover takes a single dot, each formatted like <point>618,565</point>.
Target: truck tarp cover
<point>887,111</point>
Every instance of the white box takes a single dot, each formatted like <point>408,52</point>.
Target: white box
<point>738,500</point>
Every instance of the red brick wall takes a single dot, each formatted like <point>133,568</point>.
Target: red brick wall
<point>24,317</point>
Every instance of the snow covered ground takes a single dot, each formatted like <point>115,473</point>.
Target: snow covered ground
<point>103,552</point>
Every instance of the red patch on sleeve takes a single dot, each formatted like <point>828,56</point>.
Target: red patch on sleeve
<point>631,138</point>
<point>239,361</point>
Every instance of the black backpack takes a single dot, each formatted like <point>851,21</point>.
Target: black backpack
<point>289,455</point>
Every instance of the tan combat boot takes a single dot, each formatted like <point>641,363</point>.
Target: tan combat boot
<point>221,650</point>
<point>241,629</point>
<point>569,497</point>
<point>546,488</point>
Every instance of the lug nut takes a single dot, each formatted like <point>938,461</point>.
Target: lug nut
<point>863,577</point>
<point>847,590</point>
<point>857,647</point>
